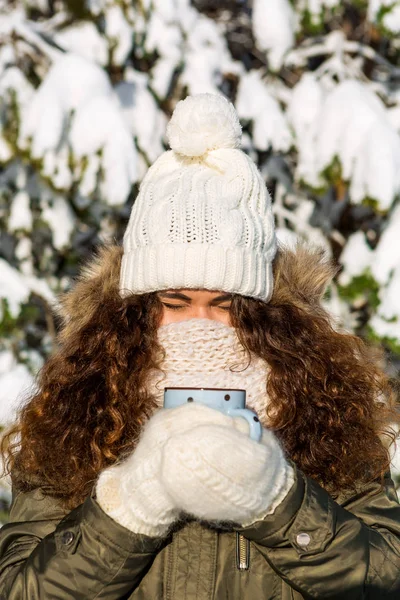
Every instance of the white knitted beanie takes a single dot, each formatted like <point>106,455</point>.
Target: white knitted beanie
<point>203,217</point>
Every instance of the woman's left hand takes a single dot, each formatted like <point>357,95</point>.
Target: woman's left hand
<point>216,472</point>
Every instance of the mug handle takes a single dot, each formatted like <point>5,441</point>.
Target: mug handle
<point>251,418</point>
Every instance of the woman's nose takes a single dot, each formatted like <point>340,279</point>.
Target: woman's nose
<point>202,312</point>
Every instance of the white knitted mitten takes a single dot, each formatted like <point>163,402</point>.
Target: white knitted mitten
<point>214,472</point>
<point>131,492</point>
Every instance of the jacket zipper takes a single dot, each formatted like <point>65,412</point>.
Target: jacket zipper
<point>242,552</point>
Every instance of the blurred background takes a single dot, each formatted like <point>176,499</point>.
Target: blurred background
<point>86,90</point>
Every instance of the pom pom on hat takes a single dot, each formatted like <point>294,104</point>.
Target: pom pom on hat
<point>203,123</point>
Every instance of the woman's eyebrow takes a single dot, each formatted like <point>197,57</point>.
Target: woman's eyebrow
<point>223,298</point>
<point>175,296</point>
<point>180,296</point>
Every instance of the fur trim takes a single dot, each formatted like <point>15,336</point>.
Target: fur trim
<point>98,279</point>
<point>301,277</point>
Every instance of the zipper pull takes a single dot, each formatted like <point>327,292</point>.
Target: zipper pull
<point>242,552</point>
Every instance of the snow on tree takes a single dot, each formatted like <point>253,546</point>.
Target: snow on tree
<point>86,89</point>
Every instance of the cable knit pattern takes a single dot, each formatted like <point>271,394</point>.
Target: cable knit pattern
<point>218,474</point>
<point>201,353</point>
<point>203,217</point>
<point>132,492</point>
<point>196,460</point>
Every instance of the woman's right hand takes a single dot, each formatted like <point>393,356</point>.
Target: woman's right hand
<point>131,491</point>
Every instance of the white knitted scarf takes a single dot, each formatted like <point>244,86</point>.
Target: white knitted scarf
<point>207,353</point>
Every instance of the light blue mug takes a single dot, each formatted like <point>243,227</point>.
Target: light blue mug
<point>230,402</point>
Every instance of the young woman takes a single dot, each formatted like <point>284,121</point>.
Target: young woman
<point>118,498</point>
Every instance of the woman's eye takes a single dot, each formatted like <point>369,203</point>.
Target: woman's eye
<point>180,306</point>
<point>173,306</point>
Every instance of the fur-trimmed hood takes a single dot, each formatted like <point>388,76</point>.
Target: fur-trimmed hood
<point>301,276</point>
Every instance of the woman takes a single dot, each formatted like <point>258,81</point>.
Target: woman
<point>115,498</point>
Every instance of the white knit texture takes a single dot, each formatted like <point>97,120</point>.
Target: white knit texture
<point>197,460</point>
<point>202,221</point>
<point>208,353</point>
<point>217,473</point>
<point>203,123</point>
<point>131,492</point>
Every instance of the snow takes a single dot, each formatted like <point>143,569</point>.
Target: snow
<point>13,79</point>
<point>16,288</point>
<point>316,7</point>
<point>386,322</point>
<point>5,150</point>
<point>13,288</point>
<point>391,20</point>
<point>303,115</point>
<point>120,168</point>
<point>356,258</point>
<point>96,6</point>
<point>42,289</point>
<point>377,168</point>
<point>359,110</point>
<point>270,128</point>
<point>286,238</point>
<point>387,254</point>
<point>100,126</point>
<point>393,115</point>
<point>136,100</point>
<point>42,5</point>
<point>348,111</point>
<point>7,57</point>
<point>305,104</point>
<point>391,16</point>
<point>164,36</point>
<point>349,123</point>
<point>74,86</point>
<point>386,270</point>
<point>374,7</point>
<point>58,215</point>
<point>384,265</point>
<point>206,46</point>
<point>15,383</point>
<point>274,25</point>
<point>20,214</point>
<point>71,82</point>
<point>88,181</point>
<point>93,124</point>
<point>83,38</point>
<point>119,32</point>
<point>178,12</point>
<point>170,10</point>
<point>55,167</point>
<point>23,252</point>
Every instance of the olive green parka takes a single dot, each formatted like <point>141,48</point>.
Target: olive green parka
<point>351,551</point>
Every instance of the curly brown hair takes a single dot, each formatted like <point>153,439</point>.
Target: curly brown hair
<point>329,402</point>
